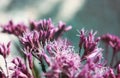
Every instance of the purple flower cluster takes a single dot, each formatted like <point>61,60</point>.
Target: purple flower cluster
<point>114,42</point>
<point>5,50</point>
<point>88,42</point>
<point>63,60</point>
<point>17,29</point>
<point>57,57</point>
<point>48,30</point>
<point>20,69</point>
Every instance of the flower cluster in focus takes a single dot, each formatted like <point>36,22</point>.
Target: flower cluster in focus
<point>42,41</point>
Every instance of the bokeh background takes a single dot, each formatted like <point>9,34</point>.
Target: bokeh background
<point>100,15</point>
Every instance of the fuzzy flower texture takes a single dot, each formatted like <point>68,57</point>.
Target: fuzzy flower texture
<point>42,42</point>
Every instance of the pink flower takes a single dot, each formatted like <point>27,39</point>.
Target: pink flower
<point>112,40</point>
<point>30,40</point>
<point>2,75</point>
<point>20,69</point>
<point>17,29</point>
<point>48,29</point>
<point>5,49</point>
<point>57,57</point>
<point>88,42</point>
<point>64,60</point>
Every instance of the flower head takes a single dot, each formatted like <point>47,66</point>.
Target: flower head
<point>48,29</point>
<point>56,56</point>
<point>17,29</point>
<point>64,60</point>
<point>20,69</point>
<point>2,75</point>
<point>30,40</point>
<point>112,40</point>
<point>5,49</point>
<point>88,43</point>
<point>92,70</point>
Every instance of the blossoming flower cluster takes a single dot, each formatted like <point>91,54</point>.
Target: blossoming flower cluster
<point>43,41</point>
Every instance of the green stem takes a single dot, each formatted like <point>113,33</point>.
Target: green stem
<point>43,66</point>
<point>112,60</point>
<point>33,73</point>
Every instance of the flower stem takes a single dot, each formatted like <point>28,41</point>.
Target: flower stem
<point>43,66</point>
<point>112,60</point>
<point>33,73</point>
<point>106,52</point>
<point>6,68</point>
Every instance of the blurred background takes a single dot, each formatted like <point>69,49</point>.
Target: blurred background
<point>100,15</point>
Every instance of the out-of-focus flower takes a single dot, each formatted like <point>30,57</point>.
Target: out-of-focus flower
<point>20,69</point>
<point>118,71</point>
<point>45,28</point>
<point>17,29</point>
<point>30,40</point>
<point>111,73</point>
<point>93,70</point>
<point>5,49</point>
<point>41,25</point>
<point>112,40</point>
<point>48,29</point>
<point>2,75</point>
<point>30,60</point>
<point>42,32</point>
<point>61,29</point>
